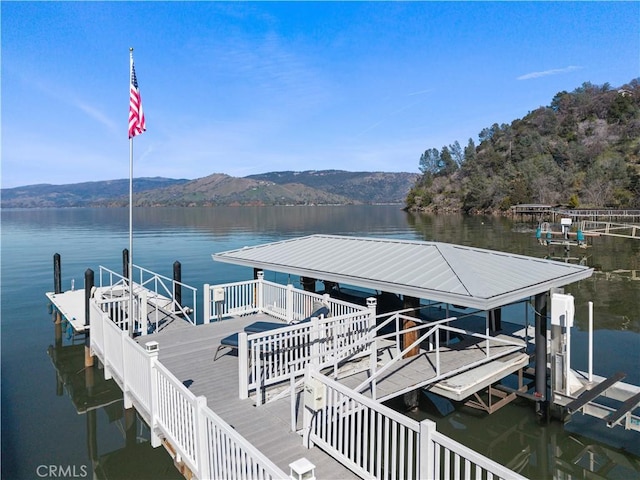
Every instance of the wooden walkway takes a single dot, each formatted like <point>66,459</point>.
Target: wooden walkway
<point>188,352</point>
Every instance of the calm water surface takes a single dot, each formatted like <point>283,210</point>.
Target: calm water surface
<point>52,427</point>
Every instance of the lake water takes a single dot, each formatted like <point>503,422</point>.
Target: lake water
<point>44,436</point>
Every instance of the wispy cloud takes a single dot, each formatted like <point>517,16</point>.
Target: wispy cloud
<point>420,92</point>
<point>402,108</point>
<point>60,94</point>
<point>95,114</point>
<point>546,73</point>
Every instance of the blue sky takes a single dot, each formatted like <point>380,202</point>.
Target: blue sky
<point>245,88</point>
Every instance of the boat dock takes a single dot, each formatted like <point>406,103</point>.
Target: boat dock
<point>279,382</point>
<point>541,211</point>
<point>211,409</point>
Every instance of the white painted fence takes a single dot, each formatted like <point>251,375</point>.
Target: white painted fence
<point>283,302</point>
<point>375,441</point>
<point>202,440</point>
<point>274,356</point>
<point>430,333</point>
<point>154,299</point>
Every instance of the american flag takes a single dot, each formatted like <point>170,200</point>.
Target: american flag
<point>137,124</point>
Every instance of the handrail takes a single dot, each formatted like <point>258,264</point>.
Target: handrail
<point>393,361</point>
<point>159,280</point>
<point>271,356</point>
<point>375,441</point>
<point>280,301</point>
<point>435,327</point>
<point>118,283</point>
<point>209,446</point>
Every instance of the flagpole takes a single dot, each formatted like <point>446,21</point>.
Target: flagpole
<point>131,315</point>
<point>137,125</point>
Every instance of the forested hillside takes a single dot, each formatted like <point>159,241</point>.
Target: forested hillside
<point>583,150</point>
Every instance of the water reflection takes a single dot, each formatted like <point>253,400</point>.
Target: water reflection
<point>93,396</point>
<point>88,237</point>
<point>513,437</point>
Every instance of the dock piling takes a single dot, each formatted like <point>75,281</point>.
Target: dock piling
<point>88,287</point>
<point>57,288</point>
<point>540,305</point>
<point>57,274</point>
<point>177,278</point>
<point>125,263</point>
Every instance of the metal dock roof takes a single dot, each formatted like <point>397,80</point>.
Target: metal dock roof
<point>454,274</point>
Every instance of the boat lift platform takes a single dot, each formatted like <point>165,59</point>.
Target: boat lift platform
<point>464,370</point>
<point>71,305</point>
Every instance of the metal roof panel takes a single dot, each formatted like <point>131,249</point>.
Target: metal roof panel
<point>467,276</point>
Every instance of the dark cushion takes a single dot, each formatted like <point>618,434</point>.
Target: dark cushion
<point>230,341</point>
<point>257,327</point>
<point>323,311</point>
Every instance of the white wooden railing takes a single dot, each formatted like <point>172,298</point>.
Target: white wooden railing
<point>154,299</point>
<point>206,444</point>
<point>430,333</point>
<point>275,356</point>
<point>283,302</point>
<point>375,441</point>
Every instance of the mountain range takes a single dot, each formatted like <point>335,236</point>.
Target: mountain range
<point>311,187</point>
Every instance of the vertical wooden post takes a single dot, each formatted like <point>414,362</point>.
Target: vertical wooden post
<point>426,459</point>
<point>152,349</point>
<point>496,319</point>
<point>243,366</point>
<point>92,435</point>
<point>541,354</point>
<point>88,287</point>
<point>411,399</point>
<point>411,337</point>
<point>260,293</point>
<point>206,303</point>
<point>130,427</point>
<point>57,274</point>
<point>308,284</point>
<point>289,303</point>
<point>373,347</point>
<point>177,278</point>
<point>57,288</point>
<point>125,263</point>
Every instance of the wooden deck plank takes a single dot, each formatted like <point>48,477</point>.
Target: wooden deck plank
<point>188,353</point>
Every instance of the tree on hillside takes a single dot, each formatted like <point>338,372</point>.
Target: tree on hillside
<point>584,148</point>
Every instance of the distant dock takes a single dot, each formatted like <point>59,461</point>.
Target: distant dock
<point>539,211</point>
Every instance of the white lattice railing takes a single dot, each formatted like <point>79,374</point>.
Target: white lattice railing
<point>375,441</point>
<point>202,440</point>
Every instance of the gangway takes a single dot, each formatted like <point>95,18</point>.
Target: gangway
<point>611,229</point>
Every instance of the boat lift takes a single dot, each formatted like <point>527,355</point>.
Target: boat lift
<point>583,392</point>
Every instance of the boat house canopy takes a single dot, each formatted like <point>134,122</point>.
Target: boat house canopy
<point>441,272</point>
